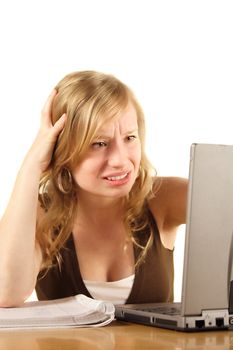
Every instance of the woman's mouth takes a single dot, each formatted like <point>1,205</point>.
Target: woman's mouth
<point>117,180</point>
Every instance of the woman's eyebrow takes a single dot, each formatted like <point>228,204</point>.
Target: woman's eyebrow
<point>108,137</point>
<point>102,136</point>
<point>130,131</point>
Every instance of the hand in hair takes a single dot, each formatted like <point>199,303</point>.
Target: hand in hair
<point>43,146</point>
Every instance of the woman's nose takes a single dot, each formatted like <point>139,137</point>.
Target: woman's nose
<point>117,157</point>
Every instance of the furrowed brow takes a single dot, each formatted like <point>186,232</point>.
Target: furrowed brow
<point>130,132</point>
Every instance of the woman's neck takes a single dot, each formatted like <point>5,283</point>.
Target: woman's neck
<point>99,211</point>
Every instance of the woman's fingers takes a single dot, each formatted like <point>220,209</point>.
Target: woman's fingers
<point>47,109</point>
<point>59,125</point>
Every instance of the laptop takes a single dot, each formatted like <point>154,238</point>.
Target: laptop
<point>207,290</point>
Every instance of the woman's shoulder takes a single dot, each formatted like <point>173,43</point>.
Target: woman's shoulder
<point>167,185</point>
<point>169,198</point>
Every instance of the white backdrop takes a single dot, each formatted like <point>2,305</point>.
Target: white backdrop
<point>177,56</point>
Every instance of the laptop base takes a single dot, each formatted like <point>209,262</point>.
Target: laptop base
<point>209,319</point>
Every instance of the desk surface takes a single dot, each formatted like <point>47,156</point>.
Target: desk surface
<point>118,335</point>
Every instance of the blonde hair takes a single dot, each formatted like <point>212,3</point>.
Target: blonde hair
<point>89,99</point>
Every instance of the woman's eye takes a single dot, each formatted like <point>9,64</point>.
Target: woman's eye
<point>131,137</point>
<point>99,144</point>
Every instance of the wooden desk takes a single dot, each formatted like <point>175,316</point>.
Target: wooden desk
<point>118,335</point>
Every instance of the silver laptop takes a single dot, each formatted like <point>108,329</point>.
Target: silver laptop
<point>207,296</point>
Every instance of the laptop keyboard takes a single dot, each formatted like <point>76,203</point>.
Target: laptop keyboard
<point>166,310</point>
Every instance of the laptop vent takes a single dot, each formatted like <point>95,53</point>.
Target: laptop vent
<point>163,322</point>
<point>137,318</point>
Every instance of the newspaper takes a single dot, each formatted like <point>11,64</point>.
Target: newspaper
<point>76,311</point>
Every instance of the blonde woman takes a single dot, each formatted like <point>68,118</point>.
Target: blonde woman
<point>87,213</point>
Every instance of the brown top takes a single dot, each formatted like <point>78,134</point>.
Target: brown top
<point>153,280</point>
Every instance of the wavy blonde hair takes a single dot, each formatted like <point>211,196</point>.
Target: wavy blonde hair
<point>89,99</point>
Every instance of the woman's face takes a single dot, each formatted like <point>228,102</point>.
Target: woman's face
<point>111,165</point>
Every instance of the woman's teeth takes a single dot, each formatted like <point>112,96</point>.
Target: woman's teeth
<point>115,178</point>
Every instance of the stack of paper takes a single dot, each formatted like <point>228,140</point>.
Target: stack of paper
<point>76,311</point>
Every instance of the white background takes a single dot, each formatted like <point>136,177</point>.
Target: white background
<point>177,56</point>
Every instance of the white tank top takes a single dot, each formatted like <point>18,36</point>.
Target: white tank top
<point>116,292</point>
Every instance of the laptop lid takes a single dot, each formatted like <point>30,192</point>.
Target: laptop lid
<point>208,242</point>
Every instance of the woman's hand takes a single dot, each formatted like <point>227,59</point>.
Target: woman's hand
<point>43,146</point>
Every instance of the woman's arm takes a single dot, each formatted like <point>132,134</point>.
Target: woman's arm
<point>20,256</point>
<point>169,207</point>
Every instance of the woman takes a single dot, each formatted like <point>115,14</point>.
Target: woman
<point>104,224</point>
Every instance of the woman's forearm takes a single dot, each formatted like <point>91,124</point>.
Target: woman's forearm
<point>19,256</point>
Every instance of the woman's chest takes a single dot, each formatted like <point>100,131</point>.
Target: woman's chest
<point>104,259</point>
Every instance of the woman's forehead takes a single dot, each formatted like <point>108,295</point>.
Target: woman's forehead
<point>125,122</point>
